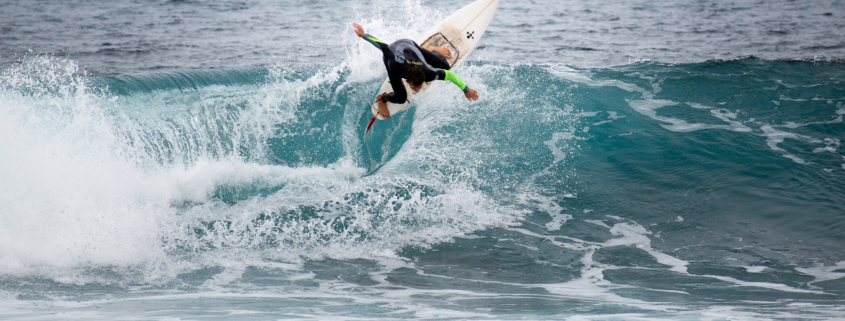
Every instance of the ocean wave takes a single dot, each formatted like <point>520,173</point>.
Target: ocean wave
<point>160,179</point>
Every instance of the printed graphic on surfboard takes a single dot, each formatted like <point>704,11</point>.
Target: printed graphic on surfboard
<point>460,32</point>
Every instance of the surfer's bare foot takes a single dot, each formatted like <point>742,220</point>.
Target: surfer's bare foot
<point>382,109</point>
<point>443,51</point>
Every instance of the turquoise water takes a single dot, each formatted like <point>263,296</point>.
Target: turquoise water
<point>703,190</point>
<point>709,190</point>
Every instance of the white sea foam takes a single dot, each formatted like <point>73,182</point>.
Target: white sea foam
<point>729,117</point>
<point>557,152</point>
<point>77,194</point>
<point>592,283</point>
<point>698,106</point>
<point>755,269</point>
<point>558,219</point>
<point>585,77</point>
<point>69,197</point>
<point>823,273</point>
<point>613,115</point>
<point>597,222</point>
<point>649,108</point>
<point>775,137</point>
<point>636,235</point>
<point>831,145</point>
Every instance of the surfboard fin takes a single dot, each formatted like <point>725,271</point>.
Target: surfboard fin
<point>370,125</point>
<point>374,117</point>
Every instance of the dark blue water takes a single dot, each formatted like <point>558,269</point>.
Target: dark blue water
<point>131,36</point>
<point>170,186</point>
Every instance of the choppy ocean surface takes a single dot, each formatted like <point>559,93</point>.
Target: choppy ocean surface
<point>633,160</point>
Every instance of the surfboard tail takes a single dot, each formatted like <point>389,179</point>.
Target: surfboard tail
<point>380,98</point>
<point>373,120</point>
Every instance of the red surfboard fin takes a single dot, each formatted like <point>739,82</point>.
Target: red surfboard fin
<point>374,118</point>
<point>370,125</point>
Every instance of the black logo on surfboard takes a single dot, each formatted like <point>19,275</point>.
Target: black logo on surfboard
<point>470,35</point>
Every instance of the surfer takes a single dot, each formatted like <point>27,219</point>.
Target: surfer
<point>404,59</point>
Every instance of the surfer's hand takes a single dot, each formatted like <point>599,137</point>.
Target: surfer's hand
<point>358,30</point>
<point>471,94</point>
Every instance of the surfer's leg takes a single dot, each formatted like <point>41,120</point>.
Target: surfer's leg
<point>435,58</point>
<point>399,94</point>
<point>443,51</point>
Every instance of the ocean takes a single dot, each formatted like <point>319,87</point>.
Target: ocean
<point>626,160</point>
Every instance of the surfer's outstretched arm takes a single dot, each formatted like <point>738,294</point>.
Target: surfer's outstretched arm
<point>449,75</point>
<point>438,68</point>
<point>373,40</point>
<point>379,44</point>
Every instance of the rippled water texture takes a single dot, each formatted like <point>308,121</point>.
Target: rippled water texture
<point>133,36</point>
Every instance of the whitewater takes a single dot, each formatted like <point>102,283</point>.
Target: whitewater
<point>185,160</point>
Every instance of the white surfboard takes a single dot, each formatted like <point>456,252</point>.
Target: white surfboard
<point>460,32</point>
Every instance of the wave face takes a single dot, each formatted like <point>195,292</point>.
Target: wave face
<point>647,190</point>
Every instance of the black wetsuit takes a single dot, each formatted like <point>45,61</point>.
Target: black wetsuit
<point>404,54</point>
